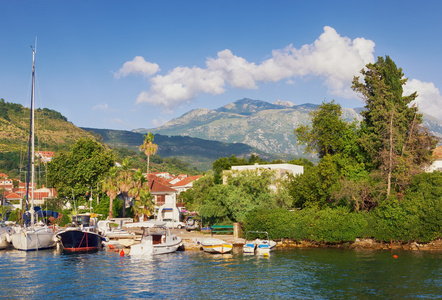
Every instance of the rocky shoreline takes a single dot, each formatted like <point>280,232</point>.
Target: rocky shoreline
<point>364,244</point>
<point>192,242</point>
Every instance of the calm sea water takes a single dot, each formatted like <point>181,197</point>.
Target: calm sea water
<point>285,274</point>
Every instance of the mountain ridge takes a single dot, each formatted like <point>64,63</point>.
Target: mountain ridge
<point>265,126</point>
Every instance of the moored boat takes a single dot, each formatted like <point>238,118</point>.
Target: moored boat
<point>83,237</point>
<point>265,246</point>
<point>32,236</point>
<point>260,246</point>
<point>213,245</point>
<point>156,239</point>
<point>5,232</point>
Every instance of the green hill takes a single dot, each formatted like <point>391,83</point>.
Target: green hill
<point>52,133</point>
<point>197,152</point>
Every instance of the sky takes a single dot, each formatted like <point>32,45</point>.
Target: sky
<point>139,64</point>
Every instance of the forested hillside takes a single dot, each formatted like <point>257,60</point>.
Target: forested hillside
<point>197,152</point>
<point>52,133</point>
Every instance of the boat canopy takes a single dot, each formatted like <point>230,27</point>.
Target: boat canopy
<point>40,214</point>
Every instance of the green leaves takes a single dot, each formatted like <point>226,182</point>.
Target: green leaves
<point>326,133</point>
<point>79,169</point>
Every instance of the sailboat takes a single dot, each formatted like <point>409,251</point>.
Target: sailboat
<point>32,236</point>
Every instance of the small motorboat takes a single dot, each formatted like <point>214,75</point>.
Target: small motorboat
<point>249,246</point>
<point>259,246</point>
<point>156,239</point>
<point>213,245</point>
<point>265,246</point>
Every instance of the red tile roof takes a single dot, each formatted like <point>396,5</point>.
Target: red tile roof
<point>158,184</point>
<point>11,196</point>
<point>187,180</point>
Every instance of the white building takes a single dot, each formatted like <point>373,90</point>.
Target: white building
<point>437,164</point>
<point>281,170</point>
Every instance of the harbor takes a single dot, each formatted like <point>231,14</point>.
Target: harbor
<point>287,273</point>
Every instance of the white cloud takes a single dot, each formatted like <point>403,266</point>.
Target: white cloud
<point>137,66</point>
<point>331,57</point>
<point>429,99</point>
<point>102,107</point>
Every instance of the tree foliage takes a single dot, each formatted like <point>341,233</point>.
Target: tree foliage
<point>391,136</point>
<point>326,134</point>
<point>148,147</point>
<point>73,173</point>
<point>242,193</point>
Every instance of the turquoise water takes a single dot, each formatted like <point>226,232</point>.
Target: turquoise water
<point>285,274</point>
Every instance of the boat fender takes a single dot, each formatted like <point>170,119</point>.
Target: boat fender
<point>56,238</point>
<point>8,238</point>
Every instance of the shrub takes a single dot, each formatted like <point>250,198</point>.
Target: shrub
<point>328,225</point>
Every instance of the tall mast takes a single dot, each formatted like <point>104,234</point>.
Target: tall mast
<point>33,134</point>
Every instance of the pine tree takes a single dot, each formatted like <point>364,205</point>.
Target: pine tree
<point>391,126</point>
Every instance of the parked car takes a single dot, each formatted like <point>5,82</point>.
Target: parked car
<point>192,224</point>
<point>174,224</point>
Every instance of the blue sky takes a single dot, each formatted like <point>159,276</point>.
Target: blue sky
<point>138,64</point>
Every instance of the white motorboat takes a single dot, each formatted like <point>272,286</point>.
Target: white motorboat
<point>249,247</point>
<point>260,246</point>
<point>265,246</point>
<point>32,237</point>
<point>5,232</point>
<point>213,245</point>
<point>156,239</point>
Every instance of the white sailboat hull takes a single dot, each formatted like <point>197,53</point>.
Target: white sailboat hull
<point>33,239</point>
<point>5,232</point>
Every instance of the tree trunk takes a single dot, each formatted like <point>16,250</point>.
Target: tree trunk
<point>390,162</point>
<point>111,203</point>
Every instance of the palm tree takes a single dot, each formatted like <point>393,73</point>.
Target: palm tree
<point>125,181</point>
<point>141,194</point>
<point>110,186</point>
<point>143,205</point>
<point>149,147</point>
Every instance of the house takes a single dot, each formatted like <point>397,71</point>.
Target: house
<point>186,183</point>
<point>164,198</point>
<point>45,156</point>
<point>437,164</point>
<point>164,175</point>
<point>280,171</point>
<point>14,199</point>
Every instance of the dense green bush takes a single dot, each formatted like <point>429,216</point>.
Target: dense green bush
<point>337,225</point>
<point>279,223</point>
<point>327,225</point>
<point>418,217</point>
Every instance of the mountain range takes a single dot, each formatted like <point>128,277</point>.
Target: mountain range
<point>199,137</point>
<point>265,126</point>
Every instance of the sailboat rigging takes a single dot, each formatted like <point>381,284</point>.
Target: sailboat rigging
<point>34,237</point>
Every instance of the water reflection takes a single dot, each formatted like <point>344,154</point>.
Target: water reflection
<point>285,274</point>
